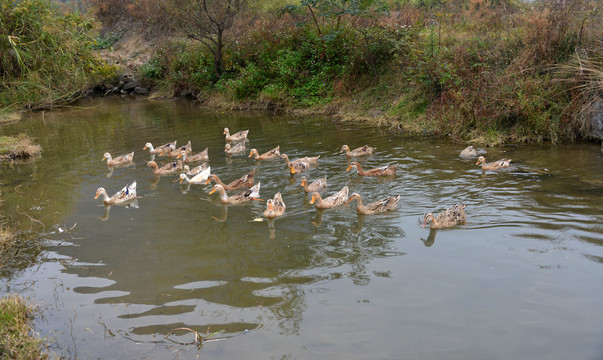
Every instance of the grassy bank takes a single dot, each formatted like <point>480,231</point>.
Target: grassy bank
<point>46,55</point>
<point>484,70</point>
<point>18,147</point>
<point>17,340</point>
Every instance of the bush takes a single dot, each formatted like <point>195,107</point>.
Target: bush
<point>46,56</point>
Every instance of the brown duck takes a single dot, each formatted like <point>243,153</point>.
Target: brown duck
<point>388,170</point>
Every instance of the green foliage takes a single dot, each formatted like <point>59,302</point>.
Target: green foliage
<point>46,56</point>
<point>481,69</point>
<point>106,41</point>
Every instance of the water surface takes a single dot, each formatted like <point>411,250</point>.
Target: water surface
<point>522,279</point>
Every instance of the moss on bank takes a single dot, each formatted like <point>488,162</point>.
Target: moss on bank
<point>18,147</point>
<point>17,340</point>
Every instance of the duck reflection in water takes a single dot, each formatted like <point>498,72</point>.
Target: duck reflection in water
<point>154,182</point>
<point>317,221</point>
<point>223,214</point>
<point>360,224</point>
<point>113,167</point>
<point>132,204</point>
<point>430,238</point>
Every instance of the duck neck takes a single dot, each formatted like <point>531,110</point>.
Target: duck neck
<point>106,197</point>
<point>435,223</point>
<point>318,199</point>
<point>305,186</point>
<point>151,148</point>
<point>359,169</point>
<point>284,156</point>
<point>359,205</point>
<point>222,192</point>
<point>217,180</point>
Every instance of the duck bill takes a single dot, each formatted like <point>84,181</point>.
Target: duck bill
<point>292,170</point>
<point>349,167</point>
<point>312,200</point>
<point>250,154</point>
<point>179,156</point>
<point>212,191</point>
<point>96,196</point>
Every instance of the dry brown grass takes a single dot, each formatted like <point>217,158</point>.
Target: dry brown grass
<point>7,117</point>
<point>7,240</point>
<point>18,147</point>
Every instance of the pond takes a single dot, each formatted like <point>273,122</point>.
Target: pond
<point>521,279</point>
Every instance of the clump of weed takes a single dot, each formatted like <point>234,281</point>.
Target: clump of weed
<point>18,147</point>
<point>17,340</point>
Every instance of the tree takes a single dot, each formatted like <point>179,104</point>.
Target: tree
<point>207,21</point>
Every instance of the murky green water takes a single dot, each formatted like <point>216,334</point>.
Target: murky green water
<point>522,279</point>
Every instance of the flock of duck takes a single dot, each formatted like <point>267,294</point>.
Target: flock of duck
<point>275,207</point>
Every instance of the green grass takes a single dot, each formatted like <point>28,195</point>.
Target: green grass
<point>17,340</point>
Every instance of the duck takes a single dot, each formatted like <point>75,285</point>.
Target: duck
<point>308,159</point>
<point>167,169</point>
<point>447,218</point>
<point>272,154</point>
<point>237,148</point>
<point>198,157</point>
<point>339,198</point>
<point>126,194</point>
<point>316,185</point>
<point>194,171</point>
<point>120,160</point>
<point>244,181</point>
<point>499,164</point>
<point>470,152</point>
<point>200,178</point>
<point>238,136</point>
<point>158,150</point>
<point>247,195</point>
<point>275,207</point>
<point>388,170</point>
<point>389,203</point>
<point>176,152</point>
<point>298,166</point>
<point>361,151</point>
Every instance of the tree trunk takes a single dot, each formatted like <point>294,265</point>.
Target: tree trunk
<point>218,55</point>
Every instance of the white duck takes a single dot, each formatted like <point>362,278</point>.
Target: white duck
<point>200,178</point>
